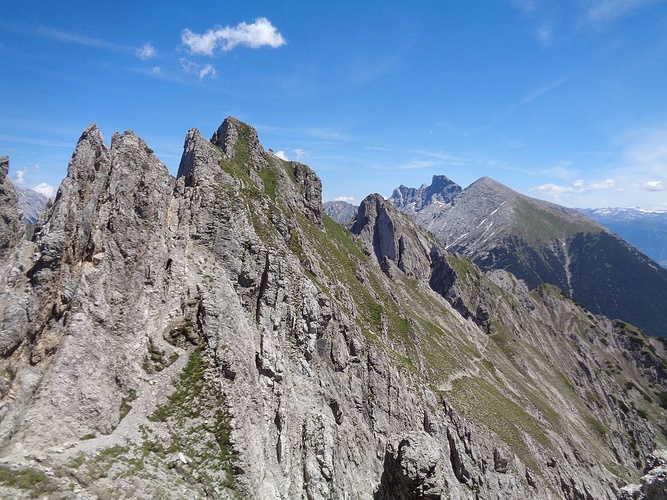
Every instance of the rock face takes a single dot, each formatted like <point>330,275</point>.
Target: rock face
<point>216,335</point>
<point>11,227</point>
<point>539,242</point>
<point>653,483</point>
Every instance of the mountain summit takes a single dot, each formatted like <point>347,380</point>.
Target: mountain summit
<point>215,335</point>
<point>410,200</point>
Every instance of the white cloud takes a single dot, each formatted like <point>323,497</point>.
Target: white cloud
<point>146,52</point>
<point>604,184</point>
<point>346,199</point>
<point>281,154</point>
<point>157,70</point>
<point>258,34</point>
<point>20,176</point>
<point>557,191</point>
<point>45,189</point>
<point>653,186</point>
<point>207,70</point>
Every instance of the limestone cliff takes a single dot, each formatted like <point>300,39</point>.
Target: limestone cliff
<point>217,336</point>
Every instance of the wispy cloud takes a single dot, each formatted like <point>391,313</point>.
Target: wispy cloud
<point>544,34</point>
<point>558,191</point>
<point>207,70</point>
<point>347,199</point>
<point>260,33</point>
<point>20,175</point>
<point>637,176</point>
<point>34,141</point>
<point>525,6</point>
<point>281,154</point>
<point>408,165</point>
<point>300,154</point>
<point>146,52</point>
<point>366,70</point>
<point>444,158</point>
<point>326,135</point>
<point>527,99</point>
<point>604,11</point>
<point>193,68</point>
<point>645,152</point>
<point>63,36</point>
<point>559,170</point>
<point>545,89</point>
<point>553,18</point>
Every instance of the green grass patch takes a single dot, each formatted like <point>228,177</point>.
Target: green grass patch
<point>125,405</point>
<point>37,482</point>
<point>199,423</point>
<point>480,400</point>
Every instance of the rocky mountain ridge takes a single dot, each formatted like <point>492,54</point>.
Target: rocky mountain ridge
<point>216,335</point>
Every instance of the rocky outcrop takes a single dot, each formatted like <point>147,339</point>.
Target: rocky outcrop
<point>384,238</point>
<point>653,483</point>
<point>215,336</point>
<point>413,469</point>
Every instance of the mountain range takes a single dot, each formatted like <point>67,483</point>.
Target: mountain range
<point>541,242</point>
<point>216,335</point>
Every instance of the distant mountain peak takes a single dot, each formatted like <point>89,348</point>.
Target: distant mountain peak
<point>31,204</point>
<point>410,200</point>
<point>340,211</point>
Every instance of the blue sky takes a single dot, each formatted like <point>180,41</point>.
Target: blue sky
<point>564,101</point>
